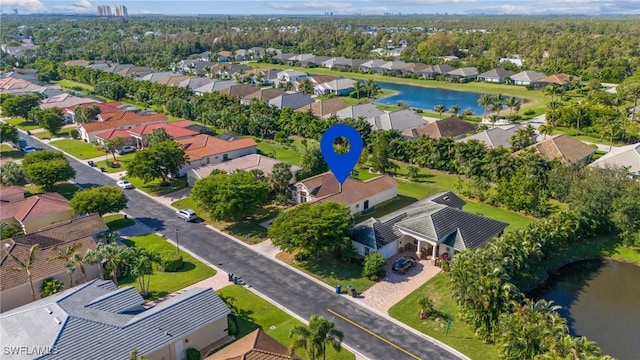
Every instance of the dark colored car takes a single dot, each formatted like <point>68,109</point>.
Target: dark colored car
<point>403,264</point>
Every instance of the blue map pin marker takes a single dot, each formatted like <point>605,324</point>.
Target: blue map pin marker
<point>341,164</point>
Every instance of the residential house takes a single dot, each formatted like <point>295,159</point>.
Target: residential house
<point>567,149</point>
<point>99,320</point>
<point>494,137</point>
<point>203,150</point>
<point>325,108</point>
<point>255,52</point>
<point>293,101</point>
<point>373,66</point>
<point>452,127</point>
<point>22,74</point>
<point>365,111</point>
<point>215,85</point>
<point>319,79</point>
<point>239,91</point>
<point>283,58</point>
<point>394,67</point>
<point>263,95</point>
<point>562,80</point>
<point>103,107</point>
<point>464,74</point>
<point>339,87</point>
<point>400,120</point>
<point>229,71</point>
<point>135,71</point>
<point>415,68</point>
<point>176,130</point>
<point>224,56</point>
<point>527,77</point>
<point>118,120</point>
<point>35,212</point>
<point>195,67</point>
<point>342,63</point>
<point>195,82</point>
<point>15,86</point>
<point>357,195</point>
<point>157,76</point>
<point>497,75</point>
<point>12,193</point>
<point>430,227</point>
<point>14,286</point>
<point>433,71</point>
<point>290,76</point>
<point>300,59</point>
<point>265,76</point>
<point>241,54</point>
<point>244,163</point>
<point>173,80</point>
<point>63,101</point>
<point>204,56</point>
<point>316,61</point>
<point>515,60</point>
<point>80,62</point>
<point>625,156</point>
<point>449,58</point>
<point>25,48</point>
<point>255,345</point>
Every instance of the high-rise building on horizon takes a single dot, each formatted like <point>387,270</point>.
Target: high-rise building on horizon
<point>120,11</point>
<point>104,10</point>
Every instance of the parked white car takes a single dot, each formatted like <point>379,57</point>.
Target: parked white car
<point>124,184</point>
<point>186,214</point>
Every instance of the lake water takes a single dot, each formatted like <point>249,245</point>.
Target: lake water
<point>600,300</point>
<point>427,98</point>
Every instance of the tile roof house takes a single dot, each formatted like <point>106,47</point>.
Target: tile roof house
<point>355,194</point>
<point>177,130</point>
<point>400,120</point>
<point>35,212</point>
<point>497,75</point>
<point>194,82</point>
<point>494,137</point>
<point>239,91</point>
<point>135,71</point>
<point>625,156</point>
<point>463,74</point>
<point>203,150</point>
<point>319,79</point>
<point>527,77</point>
<point>365,111</point>
<point>293,101</point>
<point>342,63</point>
<point>263,95</point>
<point>256,345</point>
<point>117,120</point>
<point>432,71</point>
<point>215,85</point>
<point>99,320</point>
<point>244,163</point>
<point>567,149</point>
<point>14,286</point>
<point>339,87</point>
<point>324,108</point>
<point>453,127</point>
<point>173,80</point>
<point>15,86</point>
<point>290,76</point>
<point>63,101</point>
<point>12,193</point>
<point>431,227</point>
<point>414,68</point>
<point>157,76</point>
<point>103,108</point>
<point>556,80</point>
<point>373,66</point>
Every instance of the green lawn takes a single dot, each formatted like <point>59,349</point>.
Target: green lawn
<point>122,159</point>
<point>249,230</point>
<point>156,187</point>
<point>22,124</point>
<point>164,283</point>
<point>331,271</point>
<point>65,189</point>
<point>47,135</point>
<point>68,84</point>
<point>255,312</point>
<point>289,153</point>
<point>10,152</point>
<point>460,337</point>
<point>78,148</point>
<point>117,221</point>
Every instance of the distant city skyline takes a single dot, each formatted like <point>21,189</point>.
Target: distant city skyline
<point>347,7</point>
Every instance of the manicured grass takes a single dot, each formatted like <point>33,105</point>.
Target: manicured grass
<point>117,221</point>
<point>9,152</point>
<point>68,84</point>
<point>22,124</point>
<point>331,271</point>
<point>156,187</point>
<point>289,153</point>
<point>514,219</point>
<point>460,337</point>
<point>164,283</point>
<point>248,230</point>
<point>122,159</point>
<point>65,189</point>
<point>255,312</point>
<point>77,148</point>
<point>47,135</point>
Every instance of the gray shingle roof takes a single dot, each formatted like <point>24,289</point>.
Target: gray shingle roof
<point>294,101</point>
<point>88,322</point>
<point>494,137</point>
<point>447,198</point>
<point>627,156</point>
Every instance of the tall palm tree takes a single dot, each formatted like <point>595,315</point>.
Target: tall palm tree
<point>497,103</point>
<point>66,255</point>
<point>455,109</point>
<point>512,102</point>
<point>78,260</point>
<point>358,87</point>
<point>579,113</point>
<point>440,109</point>
<point>94,257</point>
<point>115,256</point>
<point>485,101</point>
<point>372,88</point>
<point>545,129</point>
<point>315,337</point>
<point>27,266</point>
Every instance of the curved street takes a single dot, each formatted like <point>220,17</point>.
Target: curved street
<point>372,335</point>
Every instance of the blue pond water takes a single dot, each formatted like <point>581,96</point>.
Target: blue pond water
<point>428,98</point>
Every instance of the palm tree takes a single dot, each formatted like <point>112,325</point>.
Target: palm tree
<point>512,102</point>
<point>485,101</point>
<point>372,88</point>
<point>545,129</point>
<point>27,266</point>
<point>579,113</point>
<point>455,109</point>
<point>141,265</point>
<point>94,257</point>
<point>66,255</point>
<point>78,259</point>
<point>553,91</point>
<point>315,337</point>
<point>358,87</point>
<point>115,256</point>
<point>497,103</point>
<point>11,174</point>
<point>440,109</point>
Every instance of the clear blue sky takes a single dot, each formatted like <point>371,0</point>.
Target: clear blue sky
<point>343,7</point>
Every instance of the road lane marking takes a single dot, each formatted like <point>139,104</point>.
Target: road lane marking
<point>372,333</point>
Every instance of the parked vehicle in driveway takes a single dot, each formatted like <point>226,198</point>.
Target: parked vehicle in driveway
<point>186,214</point>
<point>125,150</point>
<point>124,184</point>
<point>29,149</point>
<point>403,264</point>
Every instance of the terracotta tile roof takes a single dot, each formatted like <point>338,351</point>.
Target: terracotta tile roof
<point>104,107</point>
<point>171,80</point>
<point>558,79</point>
<point>111,134</point>
<point>565,148</point>
<point>122,118</point>
<point>83,63</point>
<point>61,235</point>
<point>201,146</point>
<point>11,190</point>
<point>35,207</point>
<point>6,83</point>
<point>182,123</point>
<point>325,187</point>
<point>450,127</point>
<point>265,94</point>
<point>175,132</point>
<point>325,107</point>
<point>256,345</point>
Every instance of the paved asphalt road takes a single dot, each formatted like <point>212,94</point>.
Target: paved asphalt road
<point>290,289</point>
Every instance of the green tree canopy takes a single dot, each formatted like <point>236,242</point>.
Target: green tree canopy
<point>280,177</point>
<point>85,114</point>
<point>111,145</point>
<point>8,133</point>
<point>11,173</point>
<point>312,161</point>
<point>157,161</point>
<point>18,105</point>
<point>232,196</point>
<point>380,153</point>
<point>157,136</point>
<point>312,229</point>
<point>98,200</point>
<point>51,119</point>
<point>46,168</point>
<point>626,213</point>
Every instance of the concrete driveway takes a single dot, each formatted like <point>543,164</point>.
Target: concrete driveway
<point>395,286</point>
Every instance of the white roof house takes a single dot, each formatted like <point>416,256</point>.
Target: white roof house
<point>625,156</point>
